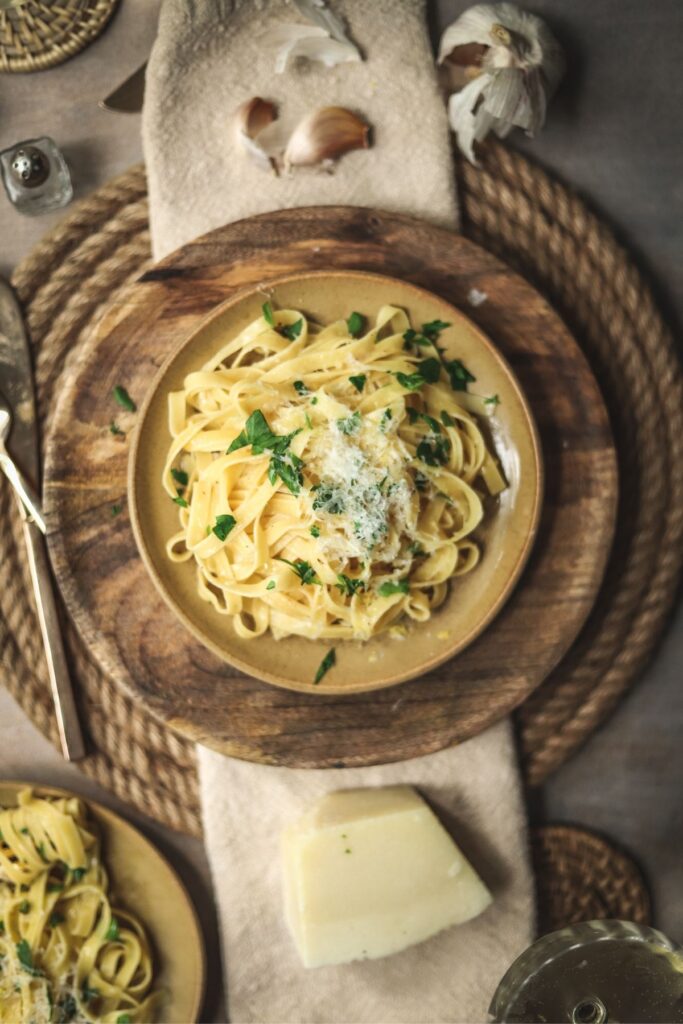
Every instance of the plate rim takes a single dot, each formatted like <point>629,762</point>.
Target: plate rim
<point>115,819</point>
<point>272,678</point>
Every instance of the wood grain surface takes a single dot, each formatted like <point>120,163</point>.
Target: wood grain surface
<point>129,629</point>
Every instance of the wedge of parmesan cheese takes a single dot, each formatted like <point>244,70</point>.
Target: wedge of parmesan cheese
<point>368,872</point>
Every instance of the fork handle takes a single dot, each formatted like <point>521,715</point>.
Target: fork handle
<point>70,735</point>
<point>25,492</point>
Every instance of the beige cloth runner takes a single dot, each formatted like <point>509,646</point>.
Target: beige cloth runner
<point>206,61</point>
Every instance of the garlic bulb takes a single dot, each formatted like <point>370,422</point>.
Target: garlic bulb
<point>511,65</point>
<point>250,120</point>
<point>325,135</point>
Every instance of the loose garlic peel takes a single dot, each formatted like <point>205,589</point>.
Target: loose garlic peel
<point>324,41</point>
<point>325,135</point>
<point>509,64</point>
<point>250,120</point>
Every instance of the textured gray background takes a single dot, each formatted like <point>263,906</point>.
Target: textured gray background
<point>614,133</point>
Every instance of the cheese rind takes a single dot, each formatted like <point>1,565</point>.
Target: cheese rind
<point>368,872</point>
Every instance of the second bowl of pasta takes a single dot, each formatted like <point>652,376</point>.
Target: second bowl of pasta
<point>335,481</point>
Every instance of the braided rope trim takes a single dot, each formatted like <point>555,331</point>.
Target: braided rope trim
<point>515,210</point>
<point>33,37</point>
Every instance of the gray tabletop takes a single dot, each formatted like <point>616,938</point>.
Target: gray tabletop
<point>614,132</point>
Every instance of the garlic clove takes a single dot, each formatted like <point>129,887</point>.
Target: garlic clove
<point>251,118</point>
<point>325,135</point>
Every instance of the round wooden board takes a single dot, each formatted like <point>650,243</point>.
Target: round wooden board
<point>129,629</point>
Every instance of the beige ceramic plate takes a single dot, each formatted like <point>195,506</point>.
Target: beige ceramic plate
<point>155,894</point>
<point>506,535</point>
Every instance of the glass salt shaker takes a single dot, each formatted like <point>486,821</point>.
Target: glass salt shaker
<point>36,176</point>
<point>598,972</point>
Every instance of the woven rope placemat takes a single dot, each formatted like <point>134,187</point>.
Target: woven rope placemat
<point>36,35</point>
<point>539,227</point>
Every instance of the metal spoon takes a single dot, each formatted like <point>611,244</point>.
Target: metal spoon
<point>29,498</point>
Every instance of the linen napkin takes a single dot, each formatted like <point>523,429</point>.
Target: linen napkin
<point>207,60</point>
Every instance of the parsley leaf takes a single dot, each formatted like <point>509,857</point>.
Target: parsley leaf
<point>223,525</point>
<point>55,919</point>
<point>428,372</point>
<point>355,324</point>
<point>124,1018</point>
<point>329,498</point>
<point>24,907</point>
<point>87,993</point>
<point>359,381</point>
<point>287,468</point>
<point>180,477</point>
<point>124,399</point>
<point>492,400</point>
<point>326,664</point>
<point>180,501</point>
<point>433,329</point>
<point>116,510</point>
<point>414,415</point>
<point>271,585</point>
<point>410,381</point>
<point>350,425</point>
<point>315,531</point>
<point>292,331</point>
<point>459,375</point>
<point>267,311</point>
<point>301,388</point>
<point>258,434</point>
<point>384,422</point>
<point>434,450</point>
<point>304,570</point>
<point>393,587</point>
<point>26,958</point>
<point>112,932</point>
<point>115,429</point>
<point>348,586</point>
<point>447,419</point>
<point>78,873</point>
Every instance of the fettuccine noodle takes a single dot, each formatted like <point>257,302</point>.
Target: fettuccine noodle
<point>329,479</point>
<point>65,953</point>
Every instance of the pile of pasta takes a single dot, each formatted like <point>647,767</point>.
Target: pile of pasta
<point>329,479</point>
<point>65,953</point>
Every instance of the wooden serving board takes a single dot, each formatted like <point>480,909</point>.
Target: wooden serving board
<point>134,636</point>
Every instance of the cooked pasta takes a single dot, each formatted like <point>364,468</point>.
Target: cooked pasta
<point>329,479</point>
<point>65,953</point>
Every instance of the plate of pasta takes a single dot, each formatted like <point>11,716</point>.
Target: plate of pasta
<point>335,481</point>
<point>94,924</point>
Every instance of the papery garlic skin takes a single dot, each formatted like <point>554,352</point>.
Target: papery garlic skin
<point>251,118</point>
<point>513,63</point>
<point>325,135</point>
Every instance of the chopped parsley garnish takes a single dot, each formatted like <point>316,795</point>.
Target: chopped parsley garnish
<point>55,919</point>
<point>116,510</point>
<point>87,993</point>
<point>271,585</point>
<point>359,381</point>
<point>447,419</point>
<point>393,587</point>
<point>223,525</point>
<point>387,415</point>
<point>314,400</point>
<point>459,375</point>
<point>414,416</point>
<point>115,429</point>
<point>433,329</point>
<point>24,907</point>
<point>355,324</point>
<point>180,477</point>
<point>2,927</point>
<point>329,498</point>
<point>292,331</point>
<point>78,873</point>
<point>307,418</point>
<point>315,531</point>
<point>428,372</point>
<point>351,424</point>
<point>112,932</point>
<point>434,450</point>
<point>301,388</point>
<point>492,400</point>
<point>429,334</point>
<point>326,664</point>
<point>348,586</point>
<point>124,399</point>
<point>416,549</point>
<point>304,570</point>
<point>24,831</point>
<point>54,887</point>
<point>284,465</point>
<point>267,311</point>
<point>26,958</point>
<point>179,500</point>
<point>66,1009</point>
<point>124,1018</point>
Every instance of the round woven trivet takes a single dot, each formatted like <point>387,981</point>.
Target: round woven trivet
<point>580,877</point>
<point>36,35</point>
<point>514,209</point>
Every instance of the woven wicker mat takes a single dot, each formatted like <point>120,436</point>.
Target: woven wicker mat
<point>36,35</point>
<point>540,228</point>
